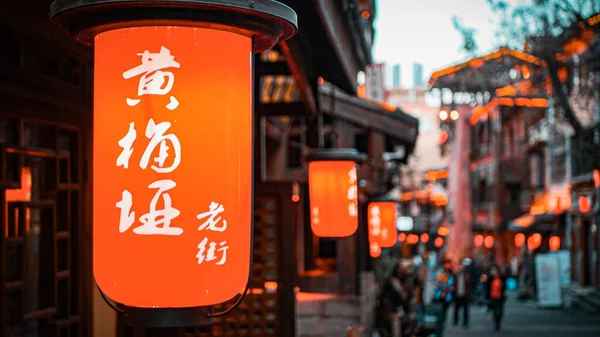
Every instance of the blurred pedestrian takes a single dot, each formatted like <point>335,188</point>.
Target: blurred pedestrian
<point>442,296</point>
<point>496,289</point>
<point>395,302</point>
<point>463,293</point>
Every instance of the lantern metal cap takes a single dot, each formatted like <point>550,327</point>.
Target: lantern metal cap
<point>336,155</point>
<point>267,21</point>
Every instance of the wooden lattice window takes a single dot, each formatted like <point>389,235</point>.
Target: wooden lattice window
<point>41,226</point>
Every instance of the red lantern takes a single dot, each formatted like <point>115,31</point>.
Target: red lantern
<point>401,237</point>
<point>424,238</point>
<point>382,216</point>
<point>478,240</point>
<point>584,204</point>
<point>173,147</point>
<point>412,239</point>
<point>519,240</point>
<point>554,243</point>
<point>374,250</point>
<point>333,190</point>
<point>439,242</point>
<point>488,242</point>
<point>534,241</point>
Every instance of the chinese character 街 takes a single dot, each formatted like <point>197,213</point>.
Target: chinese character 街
<point>208,255</point>
<point>154,81</point>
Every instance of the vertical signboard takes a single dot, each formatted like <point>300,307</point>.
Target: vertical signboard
<point>375,82</point>
<point>547,273</point>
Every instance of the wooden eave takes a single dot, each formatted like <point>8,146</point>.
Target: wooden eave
<point>342,41</point>
<point>480,73</point>
<point>368,115</point>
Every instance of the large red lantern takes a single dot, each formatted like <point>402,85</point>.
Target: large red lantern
<point>173,148</point>
<point>333,191</point>
<point>382,215</point>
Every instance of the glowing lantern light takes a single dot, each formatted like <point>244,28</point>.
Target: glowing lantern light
<point>478,240</point>
<point>374,250</point>
<point>333,191</point>
<point>439,242</point>
<point>401,237</point>
<point>295,192</point>
<point>382,215</point>
<point>443,231</point>
<point>554,243</point>
<point>534,241</point>
<point>454,115</point>
<point>519,240</point>
<point>172,80</point>
<point>596,178</point>
<point>443,115</point>
<point>412,239</point>
<point>584,204</point>
<point>488,241</point>
<point>424,238</point>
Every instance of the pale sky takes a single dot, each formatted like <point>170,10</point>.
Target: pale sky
<point>409,31</point>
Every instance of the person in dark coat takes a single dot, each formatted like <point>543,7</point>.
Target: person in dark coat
<point>463,293</point>
<point>495,294</point>
<point>397,293</point>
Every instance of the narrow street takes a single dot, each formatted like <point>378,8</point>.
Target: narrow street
<point>524,319</point>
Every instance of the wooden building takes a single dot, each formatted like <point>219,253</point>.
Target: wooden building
<point>306,98</point>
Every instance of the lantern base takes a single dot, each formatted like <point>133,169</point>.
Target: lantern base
<point>167,317</point>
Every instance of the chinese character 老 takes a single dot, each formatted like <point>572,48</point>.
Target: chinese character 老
<point>208,255</point>
<point>151,220</point>
<point>154,81</point>
<point>211,223</point>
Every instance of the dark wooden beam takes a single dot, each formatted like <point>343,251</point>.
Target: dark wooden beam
<point>332,18</point>
<point>298,66</point>
<point>282,109</point>
<point>367,115</point>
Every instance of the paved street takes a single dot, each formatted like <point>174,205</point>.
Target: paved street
<point>525,320</point>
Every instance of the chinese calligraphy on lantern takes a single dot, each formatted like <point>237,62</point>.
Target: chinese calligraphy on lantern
<point>375,220</point>
<point>162,154</point>
<point>352,193</point>
<point>154,81</point>
<point>212,223</point>
<point>315,215</point>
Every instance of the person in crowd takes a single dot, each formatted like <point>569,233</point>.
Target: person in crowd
<point>463,293</point>
<point>442,296</point>
<point>396,296</point>
<point>496,289</point>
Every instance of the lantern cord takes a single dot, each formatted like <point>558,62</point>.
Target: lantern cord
<point>109,302</point>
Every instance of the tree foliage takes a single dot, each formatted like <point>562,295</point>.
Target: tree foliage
<point>537,25</point>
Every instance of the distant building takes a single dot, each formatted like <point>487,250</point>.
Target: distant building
<point>418,75</point>
<point>427,155</point>
<point>396,76</point>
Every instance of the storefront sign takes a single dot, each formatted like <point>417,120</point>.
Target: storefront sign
<point>404,223</point>
<point>548,279</point>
